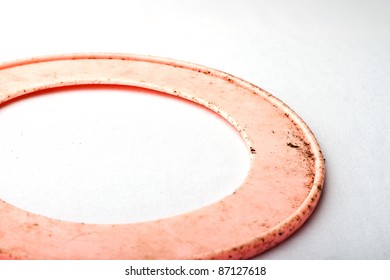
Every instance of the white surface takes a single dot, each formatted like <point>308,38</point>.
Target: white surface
<point>328,60</point>
<point>114,155</point>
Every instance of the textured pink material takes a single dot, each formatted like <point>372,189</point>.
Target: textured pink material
<point>280,192</point>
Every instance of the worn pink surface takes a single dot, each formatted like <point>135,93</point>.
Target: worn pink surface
<point>280,192</point>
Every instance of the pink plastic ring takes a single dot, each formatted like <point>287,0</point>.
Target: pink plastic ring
<point>280,192</point>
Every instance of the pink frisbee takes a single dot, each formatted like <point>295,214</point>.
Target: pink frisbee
<point>280,192</point>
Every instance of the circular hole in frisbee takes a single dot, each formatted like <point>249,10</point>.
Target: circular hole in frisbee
<point>113,154</point>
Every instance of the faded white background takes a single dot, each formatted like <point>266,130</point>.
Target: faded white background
<point>109,155</point>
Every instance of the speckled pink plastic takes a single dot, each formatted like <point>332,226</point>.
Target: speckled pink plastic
<point>280,192</point>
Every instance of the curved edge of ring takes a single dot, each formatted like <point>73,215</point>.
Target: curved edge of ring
<point>292,223</point>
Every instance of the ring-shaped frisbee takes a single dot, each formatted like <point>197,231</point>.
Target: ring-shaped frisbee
<point>279,193</point>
